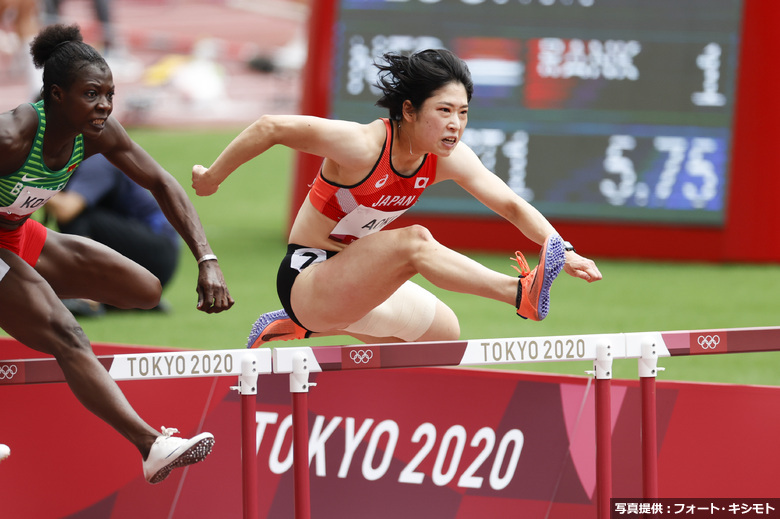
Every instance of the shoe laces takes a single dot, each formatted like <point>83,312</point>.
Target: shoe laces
<point>524,269</point>
<point>168,431</point>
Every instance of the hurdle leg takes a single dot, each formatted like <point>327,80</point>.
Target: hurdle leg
<point>648,370</point>
<point>299,387</point>
<point>602,369</point>
<point>247,387</point>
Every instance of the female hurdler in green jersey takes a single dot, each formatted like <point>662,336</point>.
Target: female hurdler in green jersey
<point>40,145</point>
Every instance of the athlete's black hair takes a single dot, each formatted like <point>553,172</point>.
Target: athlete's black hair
<point>61,52</point>
<point>417,77</point>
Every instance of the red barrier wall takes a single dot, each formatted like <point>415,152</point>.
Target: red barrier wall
<point>515,445</point>
<point>752,223</point>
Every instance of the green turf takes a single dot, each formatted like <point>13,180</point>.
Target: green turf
<point>246,223</point>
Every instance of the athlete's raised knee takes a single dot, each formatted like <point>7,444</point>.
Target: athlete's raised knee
<point>146,294</point>
<point>151,294</point>
<point>420,233</point>
<point>416,239</point>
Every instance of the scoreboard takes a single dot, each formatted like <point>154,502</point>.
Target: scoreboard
<point>642,129</point>
<point>592,110</point>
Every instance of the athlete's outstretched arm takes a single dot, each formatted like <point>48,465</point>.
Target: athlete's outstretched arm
<point>465,168</point>
<point>138,165</point>
<point>343,142</point>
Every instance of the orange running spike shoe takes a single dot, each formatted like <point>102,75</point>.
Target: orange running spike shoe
<point>533,290</point>
<point>274,326</point>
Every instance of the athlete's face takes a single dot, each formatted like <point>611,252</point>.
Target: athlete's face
<point>90,99</point>
<point>442,118</point>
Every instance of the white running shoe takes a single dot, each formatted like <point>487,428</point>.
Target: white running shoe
<point>5,451</point>
<point>168,453</point>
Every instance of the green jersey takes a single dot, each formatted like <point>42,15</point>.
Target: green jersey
<point>27,189</point>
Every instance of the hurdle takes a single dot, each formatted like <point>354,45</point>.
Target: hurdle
<point>649,346</point>
<point>246,364</point>
<point>299,362</point>
<point>602,349</point>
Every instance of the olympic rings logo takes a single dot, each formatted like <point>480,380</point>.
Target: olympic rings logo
<point>7,371</point>
<point>708,342</point>
<point>361,356</point>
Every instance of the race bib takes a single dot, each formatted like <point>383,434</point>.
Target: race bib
<point>361,222</point>
<point>29,200</point>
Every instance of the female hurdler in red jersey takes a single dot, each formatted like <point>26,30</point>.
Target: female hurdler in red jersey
<point>344,273</point>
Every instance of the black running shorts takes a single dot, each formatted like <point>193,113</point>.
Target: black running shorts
<point>298,258</point>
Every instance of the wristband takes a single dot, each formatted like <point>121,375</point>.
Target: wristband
<point>206,257</point>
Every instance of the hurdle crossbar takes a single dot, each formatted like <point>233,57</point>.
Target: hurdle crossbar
<point>449,353</point>
<point>141,366</point>
<point>517,350</point>
<point>706,342</point>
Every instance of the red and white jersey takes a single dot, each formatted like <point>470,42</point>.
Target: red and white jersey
<point>374,202</point>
